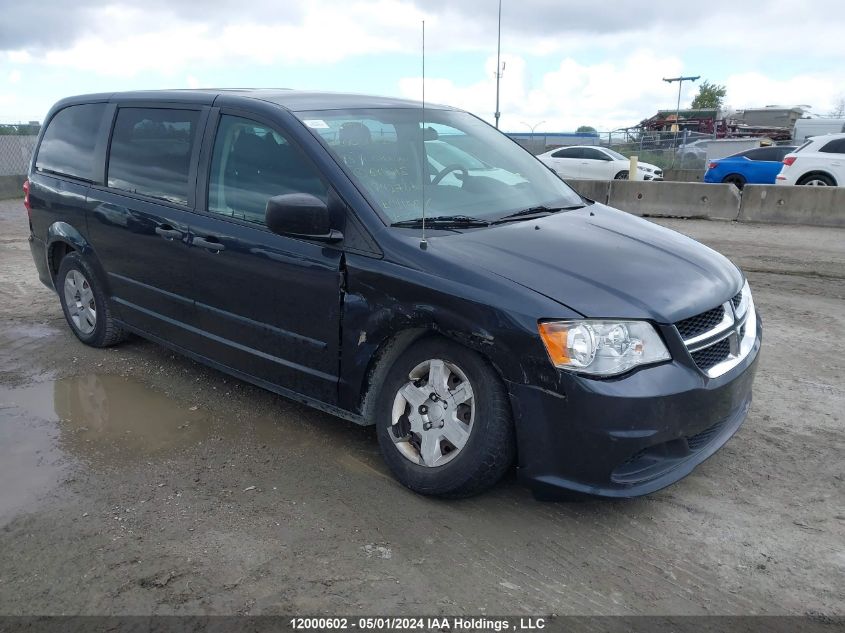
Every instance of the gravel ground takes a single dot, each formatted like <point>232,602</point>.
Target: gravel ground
<point>133,481</point>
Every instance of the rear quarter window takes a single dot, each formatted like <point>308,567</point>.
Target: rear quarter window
<point>67,147</point>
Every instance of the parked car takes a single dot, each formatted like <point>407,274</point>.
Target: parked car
<point>758,166</point>
<point>819,162</point>
<point>596,163</point>
<point>299,241</point>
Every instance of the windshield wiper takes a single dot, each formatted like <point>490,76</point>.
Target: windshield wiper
<point>443,221</point>
<point>534,212</point>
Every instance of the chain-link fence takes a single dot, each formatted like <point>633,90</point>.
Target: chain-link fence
<point>15,152</point>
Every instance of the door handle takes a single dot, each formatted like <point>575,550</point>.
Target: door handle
<point>210,243</point>
<point>168,232</point>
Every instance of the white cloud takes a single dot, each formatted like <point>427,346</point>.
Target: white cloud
<point>608,59</point>
<point>606,95</point>
<point>818,91</point>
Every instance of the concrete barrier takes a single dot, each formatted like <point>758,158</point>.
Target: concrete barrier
<point>683,175</point>
<point>597,190</point>
<point>675,199</point>
<point>782,204</point>
<point>11,187</point>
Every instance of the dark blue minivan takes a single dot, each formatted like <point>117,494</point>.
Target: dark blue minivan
<point>401,266</point>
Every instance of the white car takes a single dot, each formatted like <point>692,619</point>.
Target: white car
<point>819,162</point>
<point>591,162</point>
<point>442,154</point>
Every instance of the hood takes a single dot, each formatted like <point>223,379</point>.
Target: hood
<point>601,262</point>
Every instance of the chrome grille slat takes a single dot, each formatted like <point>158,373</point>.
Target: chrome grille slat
<point>719,348</point>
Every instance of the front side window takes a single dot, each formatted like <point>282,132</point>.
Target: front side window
<point>615,155</point>
<point>151,151</point>
<point>67,147</point>
<point>398,160</point>
<point>253,163</point>
<point>594,154</point>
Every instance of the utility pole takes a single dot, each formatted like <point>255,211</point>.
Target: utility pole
<point>499,68</point>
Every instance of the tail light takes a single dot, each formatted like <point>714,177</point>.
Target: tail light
<point>789,160</point>
<point>712,165</point>
<point>26,203</point>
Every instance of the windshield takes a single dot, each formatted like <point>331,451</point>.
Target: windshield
<point>469,168</point>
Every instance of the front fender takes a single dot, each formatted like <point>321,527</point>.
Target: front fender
<point>383,302</point>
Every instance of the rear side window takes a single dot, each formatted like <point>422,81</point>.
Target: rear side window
<point>569,152</point>
<point>151,152</point>
<point>67,147</point>
<point>774,154</point>
<point>834,147</point>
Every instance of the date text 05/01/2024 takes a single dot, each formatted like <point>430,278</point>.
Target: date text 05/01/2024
<point>454,623</point>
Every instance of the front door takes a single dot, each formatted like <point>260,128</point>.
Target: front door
<point>595,165</point>
<point>268,304</point>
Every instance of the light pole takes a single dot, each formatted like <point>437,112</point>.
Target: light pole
<point>532,128</point>
<point>499,68</point>
<point>680,81</point>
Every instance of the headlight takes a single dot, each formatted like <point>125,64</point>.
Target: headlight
<point>602,348</point>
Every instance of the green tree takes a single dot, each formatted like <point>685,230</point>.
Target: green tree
<point>709,96</point>
<point>585,129</point>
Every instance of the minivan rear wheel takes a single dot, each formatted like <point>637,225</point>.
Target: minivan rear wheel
<point>443,421</point>
<point>84,303</point>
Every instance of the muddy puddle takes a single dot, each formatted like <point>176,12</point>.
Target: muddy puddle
<point>96,412</point>
<point>46,427</point>
<point>105,420</point>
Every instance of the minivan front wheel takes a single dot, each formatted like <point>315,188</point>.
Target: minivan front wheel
<point>84,303</point>
<point>443,421</point>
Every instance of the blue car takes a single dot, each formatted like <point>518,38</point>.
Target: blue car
<point>758,166</point>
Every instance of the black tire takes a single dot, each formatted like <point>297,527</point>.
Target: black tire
<point>622,175</point>
<point>106,331</point>
<point>491,446</point>
<point>819,180</point>
<point>734,179</point>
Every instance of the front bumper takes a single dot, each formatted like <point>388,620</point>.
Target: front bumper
<point>629,436</point>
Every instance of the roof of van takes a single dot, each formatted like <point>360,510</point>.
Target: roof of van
<point>295,100</point>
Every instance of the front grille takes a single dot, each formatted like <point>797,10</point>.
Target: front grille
<point>700,440</point>
<point>700,323</point>
<point>737,299</point>
<point>713,355</point>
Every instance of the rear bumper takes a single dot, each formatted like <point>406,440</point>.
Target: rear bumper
<point>630,436</point>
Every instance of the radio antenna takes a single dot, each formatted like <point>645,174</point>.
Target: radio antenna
<point>423,243</point>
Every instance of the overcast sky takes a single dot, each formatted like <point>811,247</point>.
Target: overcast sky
<point>568,62</point>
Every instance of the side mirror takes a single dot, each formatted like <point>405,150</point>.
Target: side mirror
<point>300,215</point>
